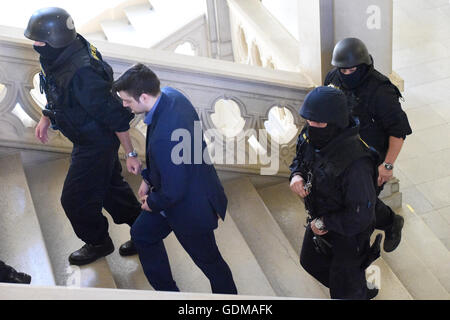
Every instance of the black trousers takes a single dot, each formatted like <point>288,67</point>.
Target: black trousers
<point>384,215</point>
<point>4,270</point>
<point>340,270</point>
<point>148,233</point>
<point>94,181</point>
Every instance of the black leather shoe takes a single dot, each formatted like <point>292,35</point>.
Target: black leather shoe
<point>89,253</point>
<point>393,235</point>
<point>127,249</point>
<point>372,293</point>
<point>16,277</point>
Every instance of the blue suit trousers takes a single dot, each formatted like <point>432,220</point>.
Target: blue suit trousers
<point>148,233</point>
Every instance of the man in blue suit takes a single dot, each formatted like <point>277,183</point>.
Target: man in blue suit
<point>186,198</point>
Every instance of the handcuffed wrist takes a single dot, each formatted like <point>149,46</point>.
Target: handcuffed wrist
<point>295,174</point>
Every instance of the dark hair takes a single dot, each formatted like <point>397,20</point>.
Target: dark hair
<point>137,80</point>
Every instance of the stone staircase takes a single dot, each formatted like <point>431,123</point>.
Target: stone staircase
<point>260,239</point>
<point>22,243</point>
<point>41,244</point>
<point>144,23</point>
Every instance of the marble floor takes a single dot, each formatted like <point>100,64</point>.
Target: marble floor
<point>422,58</point>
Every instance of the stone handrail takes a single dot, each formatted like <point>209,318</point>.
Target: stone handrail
<point>204,81</point>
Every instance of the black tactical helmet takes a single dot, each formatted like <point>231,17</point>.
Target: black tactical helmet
<point>349,53</point>
<point>326,104</point>
<point>53,26</point>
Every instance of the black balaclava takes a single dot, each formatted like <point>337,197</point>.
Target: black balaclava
<point>48,53</point>
<point>351,81</point>
<point>320,137</point>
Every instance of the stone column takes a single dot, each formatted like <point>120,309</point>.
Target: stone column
<point>322,23</point>
<point>316,38</point>
<point>370,21</point>
<point>219,30</point>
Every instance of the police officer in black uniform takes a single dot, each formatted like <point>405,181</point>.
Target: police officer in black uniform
<point>77,84</point>
<point>384,125</point>
<point>335,172</point>
<point>10,275</point>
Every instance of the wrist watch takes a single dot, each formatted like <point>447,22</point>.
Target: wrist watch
<point>132,154</point>
<point>388,166</point>
<point>318,223</point>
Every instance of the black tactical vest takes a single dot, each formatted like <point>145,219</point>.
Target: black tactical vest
<point>55,82</point>
<point>361,102</point>
<point>323,169</point>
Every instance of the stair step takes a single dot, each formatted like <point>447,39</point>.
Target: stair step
<point>394,200</point>
<point>248,276</point>
<point>427,246</point>
<point>430,250</point>
<point>409,260</point>
<point>96,36</point>
<point>146,19</point>
<point>289,211</point>
<point>5,151</point>
<point>391,187</point>
<point>391,288</point>
<point>273,251</point>
<point>46,181</point>
<point>141,16</point>
<point>127,271</point>
<point>120,31</point>
<point>22,244</point>
<point>247,273</point>
<point>414,275</point>
<point>23,292</point>
<point>186,8</point>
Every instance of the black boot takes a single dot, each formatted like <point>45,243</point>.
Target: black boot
<point>12,276</point>
<point>372,293</point>
<point>393,235</point>
<point>89,253</point>
<point>127,249</point>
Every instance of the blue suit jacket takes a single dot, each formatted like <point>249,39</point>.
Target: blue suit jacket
<point>190,194</point>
